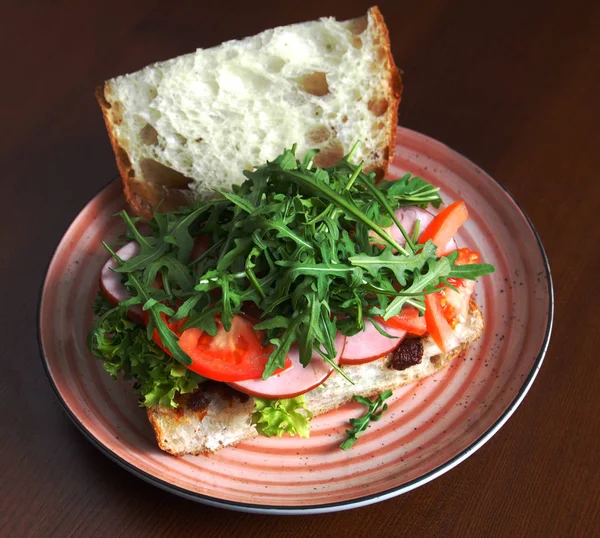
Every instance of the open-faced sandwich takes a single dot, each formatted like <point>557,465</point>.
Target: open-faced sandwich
<point>248,303</point>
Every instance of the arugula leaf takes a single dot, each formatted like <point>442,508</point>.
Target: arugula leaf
<point>242,203</point>
<point>385,203</point>
<point>437,270</point>
<point>176,273</point>
<point>276,417</point>
<point>282,346</point>
<point>146,256</point>
<point>375,408</point>
<point>398,265</point>
<point>471,271</point>
<point>344,203</point>
<point>413,190</point>
<point>180,232</point>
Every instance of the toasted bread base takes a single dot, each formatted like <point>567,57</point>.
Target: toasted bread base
<point>216,416</point>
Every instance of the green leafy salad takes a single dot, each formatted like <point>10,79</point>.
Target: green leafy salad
<point>303,252</point>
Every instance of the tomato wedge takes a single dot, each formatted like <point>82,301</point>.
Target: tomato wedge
<point>445,225</point>
<point>456,303</point>
<point>409,320</point>
<point>235,355</point>
<point>437,326</point>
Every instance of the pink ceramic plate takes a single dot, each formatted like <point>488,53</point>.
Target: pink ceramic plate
<point>428,429</point>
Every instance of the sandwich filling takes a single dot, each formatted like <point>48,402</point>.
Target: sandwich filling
<point>299,273</point>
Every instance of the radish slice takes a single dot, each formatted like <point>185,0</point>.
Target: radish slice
<point>408,217</point>
<point>294,381</point>
<point>370,344</point>
<point>111,285</point>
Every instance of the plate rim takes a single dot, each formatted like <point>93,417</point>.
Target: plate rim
<point>339,505</point>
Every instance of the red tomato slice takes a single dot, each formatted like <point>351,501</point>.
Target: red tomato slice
<point>409,321</point>
<point>455,304</point>
<point>437,326</point>
<point>445,225</point>
<point>235,355</point>
<point>467,256</point>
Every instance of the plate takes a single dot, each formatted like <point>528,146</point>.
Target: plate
<point>428,429</point>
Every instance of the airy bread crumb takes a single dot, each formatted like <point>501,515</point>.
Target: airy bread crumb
<point>184,127</point>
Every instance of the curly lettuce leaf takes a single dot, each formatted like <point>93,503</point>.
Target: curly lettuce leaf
<point>276,417</point>
<point>124,348</point>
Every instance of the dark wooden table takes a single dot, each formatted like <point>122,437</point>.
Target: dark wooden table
<point>512,85</point>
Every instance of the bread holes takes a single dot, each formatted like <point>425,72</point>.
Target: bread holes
<point>101,95</point>
<point>359,25</point>
<point>330,46</point>
<point>181,140</point>
<point>378,106</point>
<point>159,174</point>
<point>314,83</point>
<point>274,64</point>
<point>295,99</point>
<point>356,42</point>
<point>155,114</point>
<point>436,360</point>
<point>148,135</point>
<point>318,135</point>
<point>146,197</point>
<point>329,155</point>
<point>122,157</point>
<point>116,111</point>
<point>176,198</point>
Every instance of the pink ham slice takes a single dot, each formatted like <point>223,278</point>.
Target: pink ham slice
<point>110,282</point>
<point>296,380</point>
<point>370,344</point>
<point>111,285</point>
<point>408,217</point>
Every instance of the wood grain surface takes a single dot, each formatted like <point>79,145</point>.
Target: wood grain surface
<point>514,86</point>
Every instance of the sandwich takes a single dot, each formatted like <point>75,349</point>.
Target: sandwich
<point>268,273</point>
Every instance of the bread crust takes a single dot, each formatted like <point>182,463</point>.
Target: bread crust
<point>166,421</point>
<point>395,82</point>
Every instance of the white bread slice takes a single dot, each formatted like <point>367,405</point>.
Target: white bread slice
<point>216,416</point>
<point>183,127</point>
